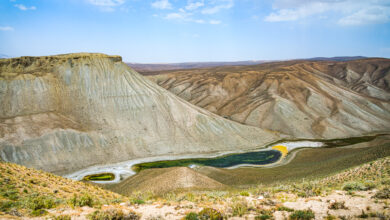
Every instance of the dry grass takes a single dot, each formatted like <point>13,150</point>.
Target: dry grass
<point>32,191</point>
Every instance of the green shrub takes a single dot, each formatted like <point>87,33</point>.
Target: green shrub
<point>11,194</point>
<point>382,194</point>
<point>210,214</point>
<point>244,193</point>
<point>239,208</point>
<point>84,200</point>
<point>386,181</point>
<point>62,217</point>
<point>302,215</point>
<point>38,212</point>
<point>137,201</point>
<point>192,216</point>
<point>5,205</point>
<point>358,186</point>
<point>284,208</point>
<point>263,217</point>
<point>36,202</point>
<point>113,214</point>
<point>330,217</point>
<point>337,205</point>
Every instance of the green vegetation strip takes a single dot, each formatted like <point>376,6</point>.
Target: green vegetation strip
<point>100,177</point>
<point>308,164</point>
<point>256,158</point>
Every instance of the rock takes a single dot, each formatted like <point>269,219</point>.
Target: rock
<point>260,197</point>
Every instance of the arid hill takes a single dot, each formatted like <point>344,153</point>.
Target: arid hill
<point>305,99</point>
<point>68,112</point>
<point>165,180</point>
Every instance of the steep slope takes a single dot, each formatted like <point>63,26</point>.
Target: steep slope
<point>168,179</point>
<point>26,191</point>
<point>302,98</point>
<point>68,112</point>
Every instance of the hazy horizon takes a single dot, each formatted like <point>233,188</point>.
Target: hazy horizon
<point>172,31</point>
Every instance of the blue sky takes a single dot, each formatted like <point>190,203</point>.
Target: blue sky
<point>196,30</point>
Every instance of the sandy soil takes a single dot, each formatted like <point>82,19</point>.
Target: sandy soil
<point>355,204</point>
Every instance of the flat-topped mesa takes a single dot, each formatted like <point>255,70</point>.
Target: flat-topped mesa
<point>36,64</point>
<point>68,112</point>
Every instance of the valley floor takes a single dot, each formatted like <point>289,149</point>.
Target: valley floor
<point>360,192</point>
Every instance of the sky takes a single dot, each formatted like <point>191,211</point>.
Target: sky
<point>166,31</point>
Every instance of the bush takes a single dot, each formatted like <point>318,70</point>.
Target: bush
<point>191,216</point>
<point>358,186</point>
<point>337,205</point>
<point>382,194</point>
<point>302,215</point>
<point>38,212</point>
<point>137,201</point>
<point>244,193</point>
<point>113,214</point>
<point>62,217</point>
<point>11,194</point>
<point>210,214</point>
<point>85,200</point>
<point>263,217</point>
<point>7,205</point>
<point>37,203</point>
<point>239,208</point>
<point>284,208</point>
<point>330,217</point>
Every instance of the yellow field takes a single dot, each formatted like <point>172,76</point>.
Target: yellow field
<point>282,149</point>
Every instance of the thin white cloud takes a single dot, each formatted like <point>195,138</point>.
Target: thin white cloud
<point>200,11</point>
<point>106,3</point>
<point>347,12</point>
<point>179,16</point>
<point>25,8</point>
<point>199,21</point>
<point>217,6</point>
<point>6,28</point>
<point>162,4</point>
<point>373,15</point>
<point>215,22</point>
<point>191,5</point>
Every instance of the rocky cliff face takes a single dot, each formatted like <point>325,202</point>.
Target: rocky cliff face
<point>301,98</point>
<point>67,112</point>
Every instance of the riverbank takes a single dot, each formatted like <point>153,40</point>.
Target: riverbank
<point>125,169</point>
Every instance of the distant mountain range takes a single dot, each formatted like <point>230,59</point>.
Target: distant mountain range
<point>149,68</point>
<point>336,58</point>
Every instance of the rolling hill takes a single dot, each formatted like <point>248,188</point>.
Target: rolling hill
<point>305,99</point>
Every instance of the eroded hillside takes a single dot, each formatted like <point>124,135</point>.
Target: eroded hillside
<point>304,99</point>
<point>68,112</point>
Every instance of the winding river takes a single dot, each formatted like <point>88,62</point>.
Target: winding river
<point>272,154</point>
